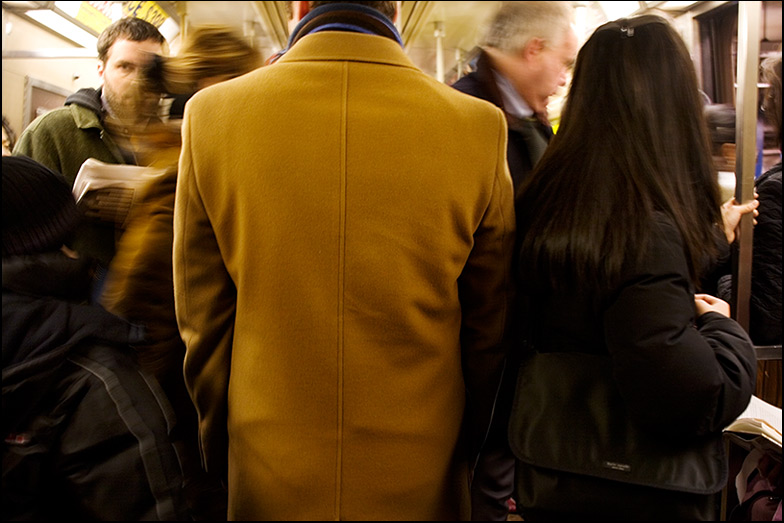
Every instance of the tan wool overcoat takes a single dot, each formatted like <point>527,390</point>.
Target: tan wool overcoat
<point>344,228</point>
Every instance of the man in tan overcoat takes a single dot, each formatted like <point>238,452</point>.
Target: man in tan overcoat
<point>344,228</point>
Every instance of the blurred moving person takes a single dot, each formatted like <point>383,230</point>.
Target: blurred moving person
<point>210,54</point>
<point>139,284</point>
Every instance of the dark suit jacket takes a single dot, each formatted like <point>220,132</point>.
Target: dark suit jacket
<point>481,84</point>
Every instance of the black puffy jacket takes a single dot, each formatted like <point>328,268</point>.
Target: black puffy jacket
<point>86,434</point>
<point>765,304</point>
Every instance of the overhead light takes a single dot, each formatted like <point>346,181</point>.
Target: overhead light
<point>677,6</point>
<point>63,27</point>
<point>615,10</point>
<point>581,22</point>
<point>22,5</point>
<point>69,8</point>
<point>93,16</point>
<point>80,22</point>
<point>169,29</point>
<point>116,11</point>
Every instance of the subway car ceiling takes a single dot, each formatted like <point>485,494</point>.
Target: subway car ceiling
<point>51,45</point>
<point>440,37</point>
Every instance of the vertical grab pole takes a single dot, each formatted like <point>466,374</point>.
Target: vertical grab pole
<point>439,34</point>
<point>749,19</point>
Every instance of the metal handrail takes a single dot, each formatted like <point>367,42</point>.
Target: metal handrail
<point>749,20</point>
<point>768,352</point>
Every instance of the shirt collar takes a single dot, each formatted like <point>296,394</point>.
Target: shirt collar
<point>513,102</point>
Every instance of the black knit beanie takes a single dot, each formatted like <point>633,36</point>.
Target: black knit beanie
<point>39,211</point>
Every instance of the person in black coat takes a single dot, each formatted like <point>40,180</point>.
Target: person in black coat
<point>86,433</point>
<point>616,221</point>
<point>526,56</point>
<point>765,305</point>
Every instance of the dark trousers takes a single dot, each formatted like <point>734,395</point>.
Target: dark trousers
<point>493,480</point>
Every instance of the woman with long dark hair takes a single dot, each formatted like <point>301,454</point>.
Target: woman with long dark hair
<point>616,224</point>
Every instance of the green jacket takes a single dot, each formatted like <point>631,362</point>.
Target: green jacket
<point>62,140</point>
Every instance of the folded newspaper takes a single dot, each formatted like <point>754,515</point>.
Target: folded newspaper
<point>759,418</point>
<point>107,192</point>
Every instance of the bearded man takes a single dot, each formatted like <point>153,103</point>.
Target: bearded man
<point>96,123</point>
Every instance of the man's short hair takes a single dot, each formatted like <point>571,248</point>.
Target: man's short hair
<point>388,9</point>
<point>516,23</point>
<point>133,29</point>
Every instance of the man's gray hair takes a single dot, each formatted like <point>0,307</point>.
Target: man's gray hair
<point>516,23</point>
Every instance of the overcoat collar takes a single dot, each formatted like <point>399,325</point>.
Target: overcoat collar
<point>343,17</point>
<point>344,46</point>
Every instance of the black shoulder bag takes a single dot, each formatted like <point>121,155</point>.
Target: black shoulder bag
<point>579,454</point>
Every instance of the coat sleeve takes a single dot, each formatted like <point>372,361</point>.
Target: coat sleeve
<point>486,290</point>
<point>678,375</point>
<point>205,304</point>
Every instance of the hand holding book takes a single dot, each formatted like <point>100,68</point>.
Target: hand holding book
<point>759,418</point>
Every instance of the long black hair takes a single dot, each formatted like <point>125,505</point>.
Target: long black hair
<point>632,141</point>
